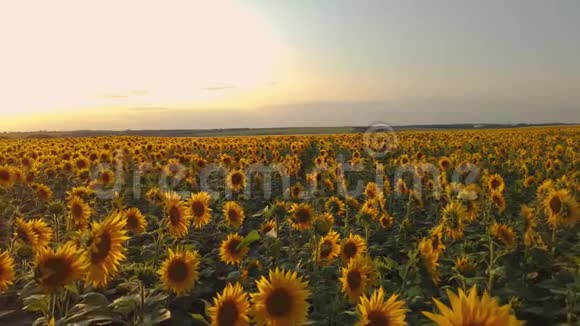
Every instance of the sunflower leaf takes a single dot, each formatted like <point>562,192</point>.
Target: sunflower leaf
<point>249,239</point>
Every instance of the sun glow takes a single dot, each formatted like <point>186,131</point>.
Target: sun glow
<point>87,55</point>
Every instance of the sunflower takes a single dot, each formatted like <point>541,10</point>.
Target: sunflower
<point>386,221</point>
<point>352,247</point>
<point>229,252</point>
<point>302,216</point>
<point>452,216</point>
<point>498,200</point>
<point>379,311</point>
<point>24,233</point>
<point>234,214</point>
<point>368,211</point>
<point>105,249</point>
<point>7,275</point>
<point>503,233</point>
<point>323,223</point>
<point>328,248</point>
<point>472,210</point>
<point>561,208</point>
<point>531,238</point>
<point>231,307</point>
<point>81,192</point>
<point>545,188</point>
<point>335,206</point>
<point>279,209</point>
<point>180,270</point>
<point>154,195</point>
<point>177,215</point>
<point>199,208</point>
<point>371,191</point>
<point>401,187</point>
<point>57,269</point>
<point>430,259</point>
<point>495,183</point>
<point>135,220</point>
<point>296,191</point>
<point>352,203</point>
<point>43,232</point>
<point>464,265</point>
<point>80,212</point>
<point>444,163</point>
<point>281,299</point>
<point>436,237</point>
<point>357,277</point>
<point>529,181</point>
<point>43,191</point>
<point>236,180</point>
<point>469,309</point>
<point>268,228</point>
<point>6,177</point>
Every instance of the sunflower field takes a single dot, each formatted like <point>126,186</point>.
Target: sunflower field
<point>463,227</point>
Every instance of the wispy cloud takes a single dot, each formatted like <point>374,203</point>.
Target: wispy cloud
<point>147,109</point>
<point>219,88</point>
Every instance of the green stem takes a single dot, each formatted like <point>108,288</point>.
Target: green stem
<point>553,242</point>
<point>52,307</point>
<point>490,270</point>
<point>157,244</point>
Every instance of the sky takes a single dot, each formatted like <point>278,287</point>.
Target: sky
<point>134,64</point>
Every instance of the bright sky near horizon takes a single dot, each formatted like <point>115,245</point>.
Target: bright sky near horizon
<point>134,64</point>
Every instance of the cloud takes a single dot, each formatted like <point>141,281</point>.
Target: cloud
<point>147,109</point>
<point>218,88</point>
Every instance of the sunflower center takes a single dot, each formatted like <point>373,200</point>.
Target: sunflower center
<point>106,178</point>
<point>349,249</point>
<point>178,271</point>
<point>77,210</point>
<point>174,215</point>
<point>354,279</point>
<point>279,303</point>
<point>233,245</point>
<point>132,222</point>
<point>198,208</point>
<point>377,318</point>
<point>233,216</point>
<point>555,205</point>
<point>302,216</point>
<point>237,178</point>
<point>102,247</point>
<point>325,249</point>
<point>228,314</point>
<point>494,184</point>
<point>55,271</point>
<point>4,175</point>
<point>505,235</point>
